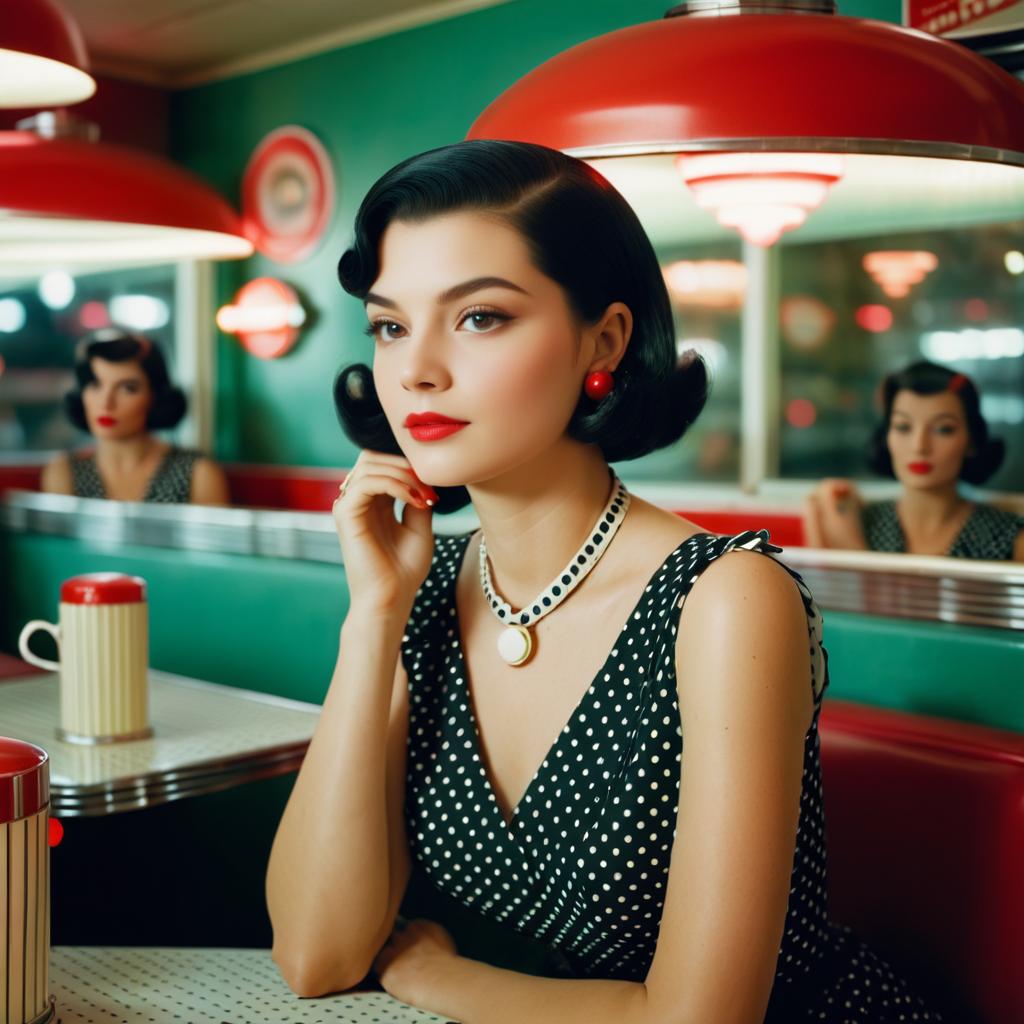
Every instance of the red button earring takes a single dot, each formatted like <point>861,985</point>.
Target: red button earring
<point>599,385</point>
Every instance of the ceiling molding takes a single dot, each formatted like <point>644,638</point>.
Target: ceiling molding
<point>118,67</point>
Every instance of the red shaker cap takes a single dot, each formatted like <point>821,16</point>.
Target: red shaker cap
<point>103,588</point>
<point>24,779</point>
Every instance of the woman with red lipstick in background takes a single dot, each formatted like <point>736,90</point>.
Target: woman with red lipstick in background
<point>932,436</point>
<point>123,394</point>
<point>510,706</point>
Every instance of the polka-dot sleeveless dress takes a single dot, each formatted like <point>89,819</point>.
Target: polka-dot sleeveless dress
<point>990,533</point>
<point>582,866</point>
<point>171,483</point>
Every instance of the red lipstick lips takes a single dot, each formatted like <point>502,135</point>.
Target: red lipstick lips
<point>432,426</point>
<point>106,421</point>
<point>919,467</point>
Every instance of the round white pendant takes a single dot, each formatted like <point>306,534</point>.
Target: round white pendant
<point>515,644</point>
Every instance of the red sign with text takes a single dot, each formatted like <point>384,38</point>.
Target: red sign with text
<point>942,16</point>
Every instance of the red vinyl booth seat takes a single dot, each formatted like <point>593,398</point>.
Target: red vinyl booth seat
<point>925,831</point>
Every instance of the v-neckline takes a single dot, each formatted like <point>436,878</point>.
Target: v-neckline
<point>150,483</point>
<point>948,553</point>
<point>462,678</point>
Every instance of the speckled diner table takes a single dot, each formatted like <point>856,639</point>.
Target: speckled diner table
<point>149,985</point>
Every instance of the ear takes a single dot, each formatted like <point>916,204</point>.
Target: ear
<point>609,337</point>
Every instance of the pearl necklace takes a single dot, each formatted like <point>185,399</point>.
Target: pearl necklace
<point>515,642</point>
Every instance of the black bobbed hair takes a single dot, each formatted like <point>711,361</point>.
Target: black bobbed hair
<point>925,378</point>
<point>584,236</point>
<point>117,346</point>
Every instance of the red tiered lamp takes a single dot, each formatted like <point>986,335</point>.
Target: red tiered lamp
<point>769,89</point>
<point>42,57</point>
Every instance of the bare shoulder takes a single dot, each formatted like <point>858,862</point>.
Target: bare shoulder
<point>209,483</point>
<point>56,475</point>
<point>744,623</point>
<point>656,528</point>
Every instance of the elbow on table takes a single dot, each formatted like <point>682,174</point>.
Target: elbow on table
<point>310,975</point>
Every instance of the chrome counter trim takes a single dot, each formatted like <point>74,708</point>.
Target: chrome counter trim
<point>153,793</point>
<point>913,586</point>
<point>902,586</point>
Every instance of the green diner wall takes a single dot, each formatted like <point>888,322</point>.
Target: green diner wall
<point>371,104</point>
<point>272,625</point>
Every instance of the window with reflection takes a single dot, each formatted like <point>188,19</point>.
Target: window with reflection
<point>852,311</point>
<point>706,285</point>
<point>41,318</point>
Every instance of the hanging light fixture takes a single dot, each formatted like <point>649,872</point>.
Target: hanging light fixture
<point>909,125</point>
<point>67,199</point>
<point>42,57</point>
<point>897,271</point>
<point>760,194</point>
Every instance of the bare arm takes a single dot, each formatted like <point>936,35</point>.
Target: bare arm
<point>339,864</point>
<point>209,484</point>
<point>1018,548</point>
<point>56,477</point>
<point>833,516</point>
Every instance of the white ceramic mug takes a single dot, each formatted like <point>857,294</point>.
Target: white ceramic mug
<point>103,643</point>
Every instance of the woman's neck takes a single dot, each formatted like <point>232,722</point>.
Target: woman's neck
<point>536,516</point>
<point>930,510</point>
<point>127,453</point>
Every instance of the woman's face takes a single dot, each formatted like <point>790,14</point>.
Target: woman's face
<point>117,402</point>
<point>928,439</point>
<point>466,327</point>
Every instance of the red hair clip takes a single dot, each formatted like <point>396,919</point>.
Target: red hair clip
<point>957,382</point>
<point>144,345</point>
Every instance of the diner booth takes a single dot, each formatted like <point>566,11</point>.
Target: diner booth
<point>165,840</point>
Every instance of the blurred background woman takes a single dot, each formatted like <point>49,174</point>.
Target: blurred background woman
<point>931,437</point>
<point>123,394</point>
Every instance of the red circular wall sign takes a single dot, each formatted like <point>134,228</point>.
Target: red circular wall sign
<point>287,194</point>
<point>266,317</point>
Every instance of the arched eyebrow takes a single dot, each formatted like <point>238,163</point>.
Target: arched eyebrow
<point>937,416</point>
<point>459,291</point>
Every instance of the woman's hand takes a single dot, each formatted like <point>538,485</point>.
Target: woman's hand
<point>408,965</point>
<point>832,516</point>
<point>386,561</point>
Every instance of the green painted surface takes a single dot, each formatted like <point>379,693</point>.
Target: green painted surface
<point>272,625</point>
<point>932,668</point>
<point>371,104</point>
<point>260,623</point>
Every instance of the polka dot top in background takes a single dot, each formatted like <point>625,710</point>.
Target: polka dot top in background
<point>582,866</point>
<point>170,484</point>
<point>989,533</point>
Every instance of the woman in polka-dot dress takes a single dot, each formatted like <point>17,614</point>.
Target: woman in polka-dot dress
<point>122,395</point>
<point>589,721</point>
<point>932,436</point>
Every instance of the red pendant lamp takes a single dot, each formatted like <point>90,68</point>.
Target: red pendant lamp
<point>43,61</point>
<point>65,200</point>
<point>767,110</point>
